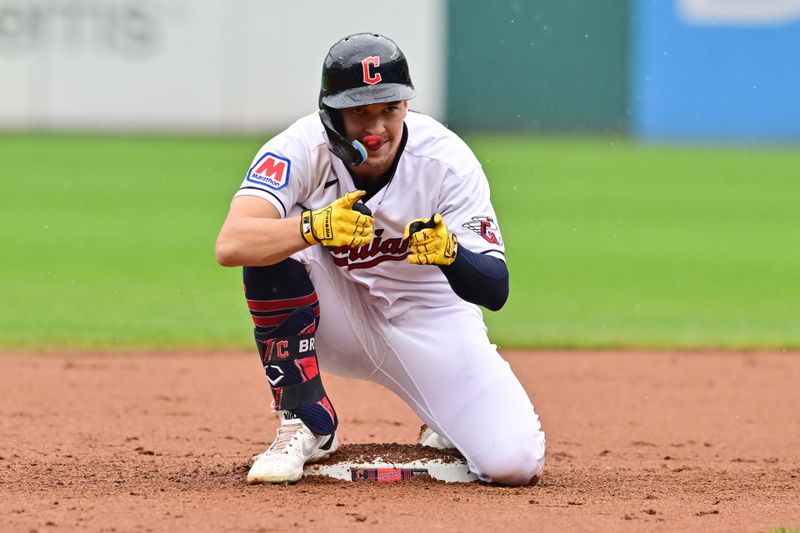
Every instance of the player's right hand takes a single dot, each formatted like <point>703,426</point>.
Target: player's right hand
<point>337,224</point>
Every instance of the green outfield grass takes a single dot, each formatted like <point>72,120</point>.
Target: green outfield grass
<point>108,243</point>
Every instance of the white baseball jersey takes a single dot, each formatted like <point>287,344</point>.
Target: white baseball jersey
<point>401,325</point>
<point>436,173</point>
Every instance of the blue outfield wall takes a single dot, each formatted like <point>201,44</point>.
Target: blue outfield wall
<point>715,69</point>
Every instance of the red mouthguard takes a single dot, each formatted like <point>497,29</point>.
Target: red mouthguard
<point>373,142</point>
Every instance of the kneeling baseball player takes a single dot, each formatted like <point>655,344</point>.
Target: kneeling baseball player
<point>368,241</point>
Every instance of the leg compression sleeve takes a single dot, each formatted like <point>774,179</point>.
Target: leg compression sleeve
<point>285,311</point>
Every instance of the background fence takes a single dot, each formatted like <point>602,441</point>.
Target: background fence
<point>663,69</point>
<point>184,65</point>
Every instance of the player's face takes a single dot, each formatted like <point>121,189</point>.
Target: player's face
<point>379,127</point>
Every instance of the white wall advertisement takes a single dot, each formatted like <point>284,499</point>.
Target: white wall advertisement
<point>193,65</point>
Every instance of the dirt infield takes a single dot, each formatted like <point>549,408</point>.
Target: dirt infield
<point>636,441</point>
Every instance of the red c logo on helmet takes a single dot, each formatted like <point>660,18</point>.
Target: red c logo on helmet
<point>372,61</point>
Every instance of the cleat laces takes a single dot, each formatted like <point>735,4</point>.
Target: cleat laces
<point>286,434</point>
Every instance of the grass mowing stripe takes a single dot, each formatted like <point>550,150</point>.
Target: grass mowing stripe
<point>108,242</point>
<point>622,245</point>
<point>119,249</point>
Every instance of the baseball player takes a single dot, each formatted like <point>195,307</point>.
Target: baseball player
<point>368,241</point>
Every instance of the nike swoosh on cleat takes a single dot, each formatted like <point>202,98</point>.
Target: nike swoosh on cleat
<point>327,445</point>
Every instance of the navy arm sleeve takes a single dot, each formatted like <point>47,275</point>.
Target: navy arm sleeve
<point>478,278</point>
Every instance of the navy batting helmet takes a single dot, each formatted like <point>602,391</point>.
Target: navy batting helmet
<point>361,69</point>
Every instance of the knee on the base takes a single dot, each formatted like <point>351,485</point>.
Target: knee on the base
<point>516,463</point>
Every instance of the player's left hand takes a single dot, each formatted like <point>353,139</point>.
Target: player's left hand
<point>430,242</point>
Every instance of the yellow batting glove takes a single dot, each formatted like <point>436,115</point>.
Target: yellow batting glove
<point>430,242</point>
<point>338,224</point>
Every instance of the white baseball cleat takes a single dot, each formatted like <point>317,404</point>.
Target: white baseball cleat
<point>428,437</point>
<point>294,446</point>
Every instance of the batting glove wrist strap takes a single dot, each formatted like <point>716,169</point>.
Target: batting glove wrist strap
<point>306,229</point>
<point>337,224</point>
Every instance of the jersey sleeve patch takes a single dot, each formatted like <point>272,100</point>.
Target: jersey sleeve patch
<point>486,227</point>
<point>270,171</point>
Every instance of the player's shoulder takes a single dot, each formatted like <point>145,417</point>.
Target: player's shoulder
<point>304,135</point>
<point>430,139</point>
<point>297,153</point>
<point>300,144</point>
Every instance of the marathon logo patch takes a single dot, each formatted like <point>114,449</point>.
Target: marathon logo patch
<point>271,171</point>
<point>486,227</point>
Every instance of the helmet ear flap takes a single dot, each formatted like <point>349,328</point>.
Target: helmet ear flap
<point>352,153</point>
